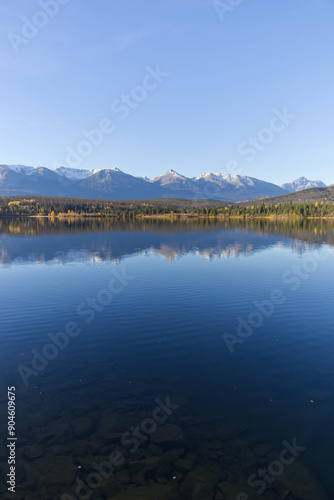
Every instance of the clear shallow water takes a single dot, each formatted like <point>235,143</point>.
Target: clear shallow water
<point>181,287</point>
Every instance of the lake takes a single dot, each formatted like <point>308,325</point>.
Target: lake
<point>158,359</point>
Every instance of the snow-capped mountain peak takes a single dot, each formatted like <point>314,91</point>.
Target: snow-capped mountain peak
<point>115,169</point>
<point>302,183</point>
<point>222,178</point>
<point>74,173</point>
<point>21,169</point>
<point>169,175</point>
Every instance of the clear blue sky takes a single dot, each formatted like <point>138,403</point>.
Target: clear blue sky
<point>227,74</point>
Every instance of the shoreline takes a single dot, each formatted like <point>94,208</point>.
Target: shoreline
<point>169,217</point>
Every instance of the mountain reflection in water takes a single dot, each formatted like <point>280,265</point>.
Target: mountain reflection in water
<point>113,239</point>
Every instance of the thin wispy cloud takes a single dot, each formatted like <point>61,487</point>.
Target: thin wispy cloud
<point>117,44</point>
<point>125,41</point>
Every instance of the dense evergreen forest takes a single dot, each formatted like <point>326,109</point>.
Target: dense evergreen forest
<point>68,207</point>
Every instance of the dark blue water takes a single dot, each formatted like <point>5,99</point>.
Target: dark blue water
<point>232,322</point>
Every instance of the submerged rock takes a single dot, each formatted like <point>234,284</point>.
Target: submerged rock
<point>248,459</point>
<point>262,449</point>
<point>230,430</point>
<point>302,483</point>
<point>196,487</point>
<point>33,451</point>
<point>233,491</point>
<point>110,488</point>
<point>155,450</point>
<point>235,446</point>
<point>82,426</point>
<point>143,470</point>
<point>11,496</point>
<point>204,491</point>
<point>152,492</point>
<point>123,476</point>
<point>214,445</point>
<point>56,471</point>
<point>183,465</point>
<point>173,454</point>
<point>168,433</point>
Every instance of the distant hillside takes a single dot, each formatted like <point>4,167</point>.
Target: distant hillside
<point>313,203</point>
<point>307,195</point>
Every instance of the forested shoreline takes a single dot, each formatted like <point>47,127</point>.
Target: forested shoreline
<point>70,207</point>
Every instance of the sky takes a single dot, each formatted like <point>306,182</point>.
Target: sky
<point>235,86</point>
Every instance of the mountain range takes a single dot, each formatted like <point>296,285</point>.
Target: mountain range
<point>114,184</point>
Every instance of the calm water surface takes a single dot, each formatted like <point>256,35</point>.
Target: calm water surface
<point>195,353</point>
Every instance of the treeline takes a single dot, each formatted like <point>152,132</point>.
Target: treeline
<point>68,207</point>
<point>305,209</point>
<point>49,206</point>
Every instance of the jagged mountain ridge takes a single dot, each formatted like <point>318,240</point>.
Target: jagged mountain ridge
<point>301,184</point>
<point>112,183</point>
